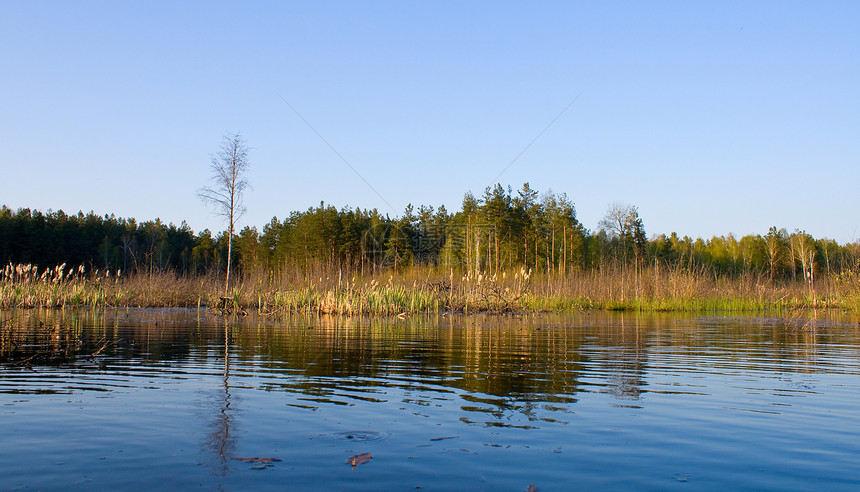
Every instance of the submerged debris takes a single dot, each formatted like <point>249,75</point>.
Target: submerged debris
<point>443,438</point>
<point>258,460</point>
<point>359,459</point>
<point>262,463</point>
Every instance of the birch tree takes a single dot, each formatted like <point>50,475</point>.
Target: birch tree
<point>225,194</point>
<point>623,222</point>
<point>803,249</point>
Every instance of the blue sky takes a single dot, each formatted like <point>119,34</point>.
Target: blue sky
<point>712,117</point>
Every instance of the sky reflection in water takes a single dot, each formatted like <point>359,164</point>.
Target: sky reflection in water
<point>167,399</point>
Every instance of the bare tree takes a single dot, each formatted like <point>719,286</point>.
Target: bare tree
<point>617,221</point>
<point>225,195</point>
<point>623,221</point>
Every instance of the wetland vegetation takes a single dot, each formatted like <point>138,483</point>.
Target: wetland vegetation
<point>504,251</point>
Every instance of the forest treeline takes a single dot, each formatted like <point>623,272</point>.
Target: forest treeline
<point>500,230</point>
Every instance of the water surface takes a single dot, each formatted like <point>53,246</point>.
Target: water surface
<point>170,399</point>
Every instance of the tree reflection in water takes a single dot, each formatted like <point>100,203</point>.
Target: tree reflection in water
<point>114,395</point>
<point>495,367</point>
<point>221,443</point>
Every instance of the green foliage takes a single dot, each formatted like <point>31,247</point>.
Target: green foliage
<point>496,232</point>
<point>103,242</point>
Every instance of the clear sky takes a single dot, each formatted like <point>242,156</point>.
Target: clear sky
<point>712,117</point>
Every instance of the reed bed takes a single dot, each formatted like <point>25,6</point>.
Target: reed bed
<point>428,290</point>
<point>24,286</point>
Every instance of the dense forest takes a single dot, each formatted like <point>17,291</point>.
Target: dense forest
<point>499,231</point>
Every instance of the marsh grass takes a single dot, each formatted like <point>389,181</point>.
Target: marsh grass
<point>430,290</point>
<point>23,286</point>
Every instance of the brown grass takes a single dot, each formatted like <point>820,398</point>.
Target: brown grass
<point>429,290</point>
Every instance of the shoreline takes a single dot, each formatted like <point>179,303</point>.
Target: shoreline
<point>418,292</point>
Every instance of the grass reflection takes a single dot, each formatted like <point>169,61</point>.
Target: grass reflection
<point>497,364</point>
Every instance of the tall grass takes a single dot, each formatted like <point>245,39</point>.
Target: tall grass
<point>24,286</point>
<point>430,290</point>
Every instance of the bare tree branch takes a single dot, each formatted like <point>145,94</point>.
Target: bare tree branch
<point>228,168</point>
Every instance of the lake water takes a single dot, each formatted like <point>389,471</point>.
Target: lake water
<point>176,399</point>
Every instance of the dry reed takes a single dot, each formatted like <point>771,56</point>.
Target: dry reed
<point>429,290</point>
